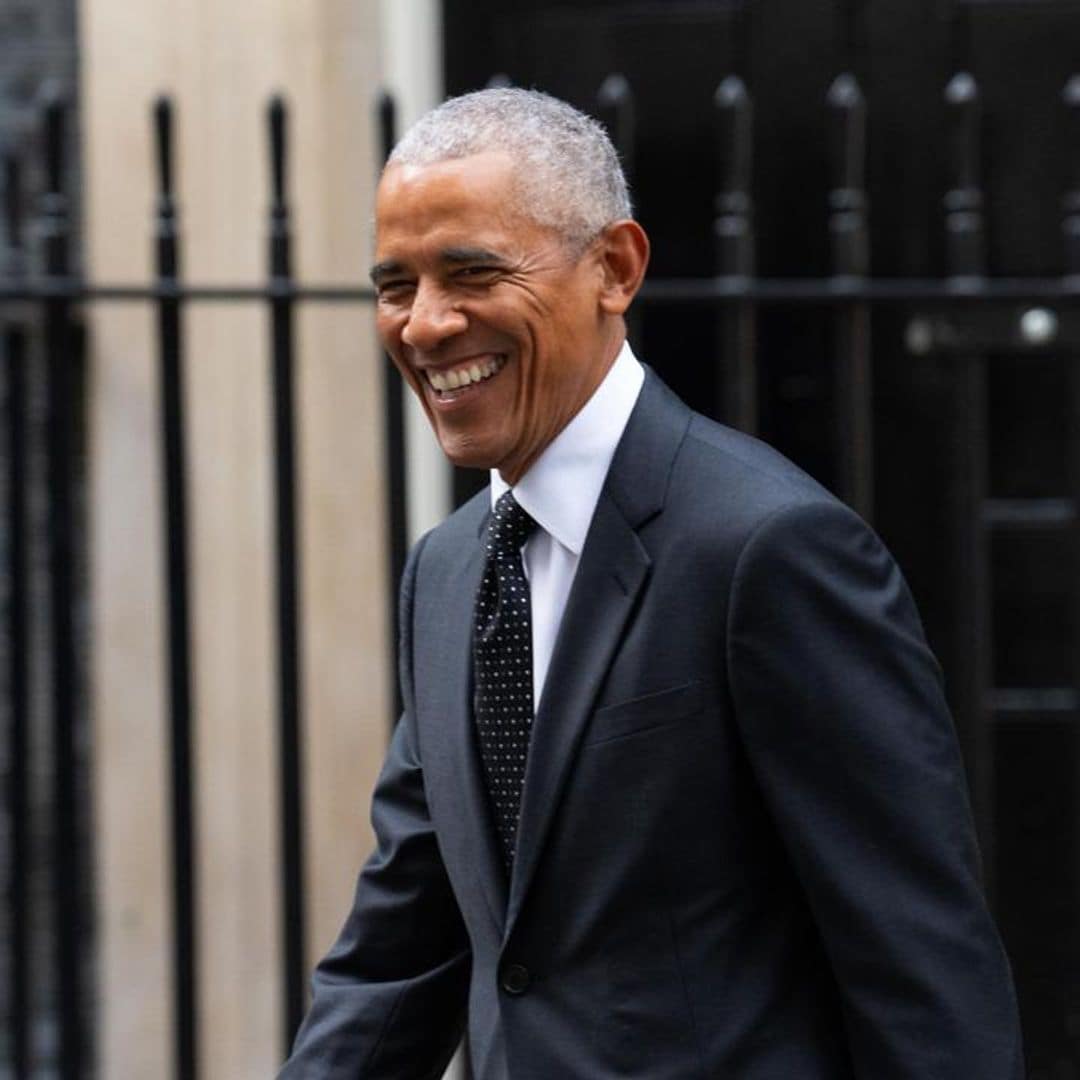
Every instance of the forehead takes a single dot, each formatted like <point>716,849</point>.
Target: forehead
<point>472,198</point>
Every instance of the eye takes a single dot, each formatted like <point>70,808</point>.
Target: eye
<point>477,274</point>
<point>393,288</point>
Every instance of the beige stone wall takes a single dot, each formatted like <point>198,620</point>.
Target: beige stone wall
<point>221,62</point>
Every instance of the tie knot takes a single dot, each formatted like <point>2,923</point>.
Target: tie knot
<point>510,525</point>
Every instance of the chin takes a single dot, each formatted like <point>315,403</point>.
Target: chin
<point>467,456</point>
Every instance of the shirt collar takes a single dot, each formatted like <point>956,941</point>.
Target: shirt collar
<point>561,488</point>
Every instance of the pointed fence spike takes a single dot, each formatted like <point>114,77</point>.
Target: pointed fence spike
<point>847,113</point>
<point>734,139</point>
<point>965,118</point>
<point>13,203</point>
<point>277,118</point>
<point>965,244</point>
<point>615,100</point>
<point>1071,98</point>
<point>733,228</point>
<point>163,135</point>
<point>1071,203</point>
<point>53,225</point>
<point>386,109</point>
<point>845,92</point>
<point>1071,93</point>
<point>280,250</point>
<point>165,219</point>
<point>962,89</point>
<point>614,91</point>
<point>733,250</point>
<point>731,94</point>
<point>54,107</point>
<point>847,198</point>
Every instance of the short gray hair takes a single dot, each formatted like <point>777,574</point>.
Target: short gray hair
<point>568,173</point>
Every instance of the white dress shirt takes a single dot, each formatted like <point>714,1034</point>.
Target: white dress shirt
<point>560,492</point>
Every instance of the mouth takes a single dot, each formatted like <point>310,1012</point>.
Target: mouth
<point>451,384</point>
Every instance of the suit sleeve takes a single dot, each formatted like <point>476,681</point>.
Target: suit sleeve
<point>389,997</point>
<point>840,705</point>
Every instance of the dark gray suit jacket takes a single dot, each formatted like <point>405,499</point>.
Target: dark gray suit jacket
<point>745,845</point>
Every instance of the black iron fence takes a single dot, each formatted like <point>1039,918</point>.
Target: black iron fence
<point>40,317</point>
<point>964,317</point>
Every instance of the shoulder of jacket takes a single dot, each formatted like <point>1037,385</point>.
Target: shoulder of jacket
<point>462,525</point>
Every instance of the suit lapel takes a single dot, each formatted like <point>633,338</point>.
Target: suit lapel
<point>453,761</point>
<point>613,570</point>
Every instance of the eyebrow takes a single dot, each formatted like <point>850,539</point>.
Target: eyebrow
<point>382,270</point>
<point>451,256</point>
<point>458,255</point>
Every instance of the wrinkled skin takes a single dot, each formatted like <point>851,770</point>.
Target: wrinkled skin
<point>464,277</point>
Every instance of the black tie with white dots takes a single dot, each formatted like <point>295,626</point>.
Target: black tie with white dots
<point>502,668</point>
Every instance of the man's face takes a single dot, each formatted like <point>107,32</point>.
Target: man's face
<point>494,323</point>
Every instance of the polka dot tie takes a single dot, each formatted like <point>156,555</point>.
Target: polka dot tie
<point>502,668</point>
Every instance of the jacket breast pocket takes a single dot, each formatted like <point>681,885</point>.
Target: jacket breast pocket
<point>642,714</point>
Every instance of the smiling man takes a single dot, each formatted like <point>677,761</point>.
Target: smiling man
<point>675,793</point>
<point>501,326</point>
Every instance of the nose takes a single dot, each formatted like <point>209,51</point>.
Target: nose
<point>432,318</point>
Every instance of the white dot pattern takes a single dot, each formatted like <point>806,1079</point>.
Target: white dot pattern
<point>502,668</point>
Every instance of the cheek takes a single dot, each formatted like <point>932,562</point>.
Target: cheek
<point>412,380</point>
<point>388,331</point>
<point>389,323</point>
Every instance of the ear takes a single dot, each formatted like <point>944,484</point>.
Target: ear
<point>624,255</point>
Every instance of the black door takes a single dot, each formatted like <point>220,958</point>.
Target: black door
<point>969,438</point>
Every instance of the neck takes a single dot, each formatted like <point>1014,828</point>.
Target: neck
<point>514,472</point>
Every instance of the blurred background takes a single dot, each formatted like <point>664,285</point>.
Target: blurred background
<point>866,249</point>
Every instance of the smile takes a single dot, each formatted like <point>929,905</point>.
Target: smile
<point>466,375</point>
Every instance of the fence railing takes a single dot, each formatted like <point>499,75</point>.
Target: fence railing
<point>55,292</point>
<point>963,316</point>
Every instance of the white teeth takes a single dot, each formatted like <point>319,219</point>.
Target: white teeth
<point>477,372</point>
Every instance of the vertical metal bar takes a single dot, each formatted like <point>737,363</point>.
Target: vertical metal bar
<point>1071,243</point>
<point>965,240</point>
<point>13,214</point>
<point>615,104</point>
<point>18,802</point>
<point>66,871</point>
<point>615,101</point>
<point>394,418</point>
<point>290,741</point>
<point>966,261</point>
<point>174,476</point>
<point>853,410</point>
<point>733,234</point>
<point>1071,204</point>
<point>18,659</point>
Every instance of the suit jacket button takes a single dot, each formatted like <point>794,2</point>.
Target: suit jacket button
<point>515,979</point>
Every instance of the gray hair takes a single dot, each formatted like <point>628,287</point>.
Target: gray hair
<point>568,173</point>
